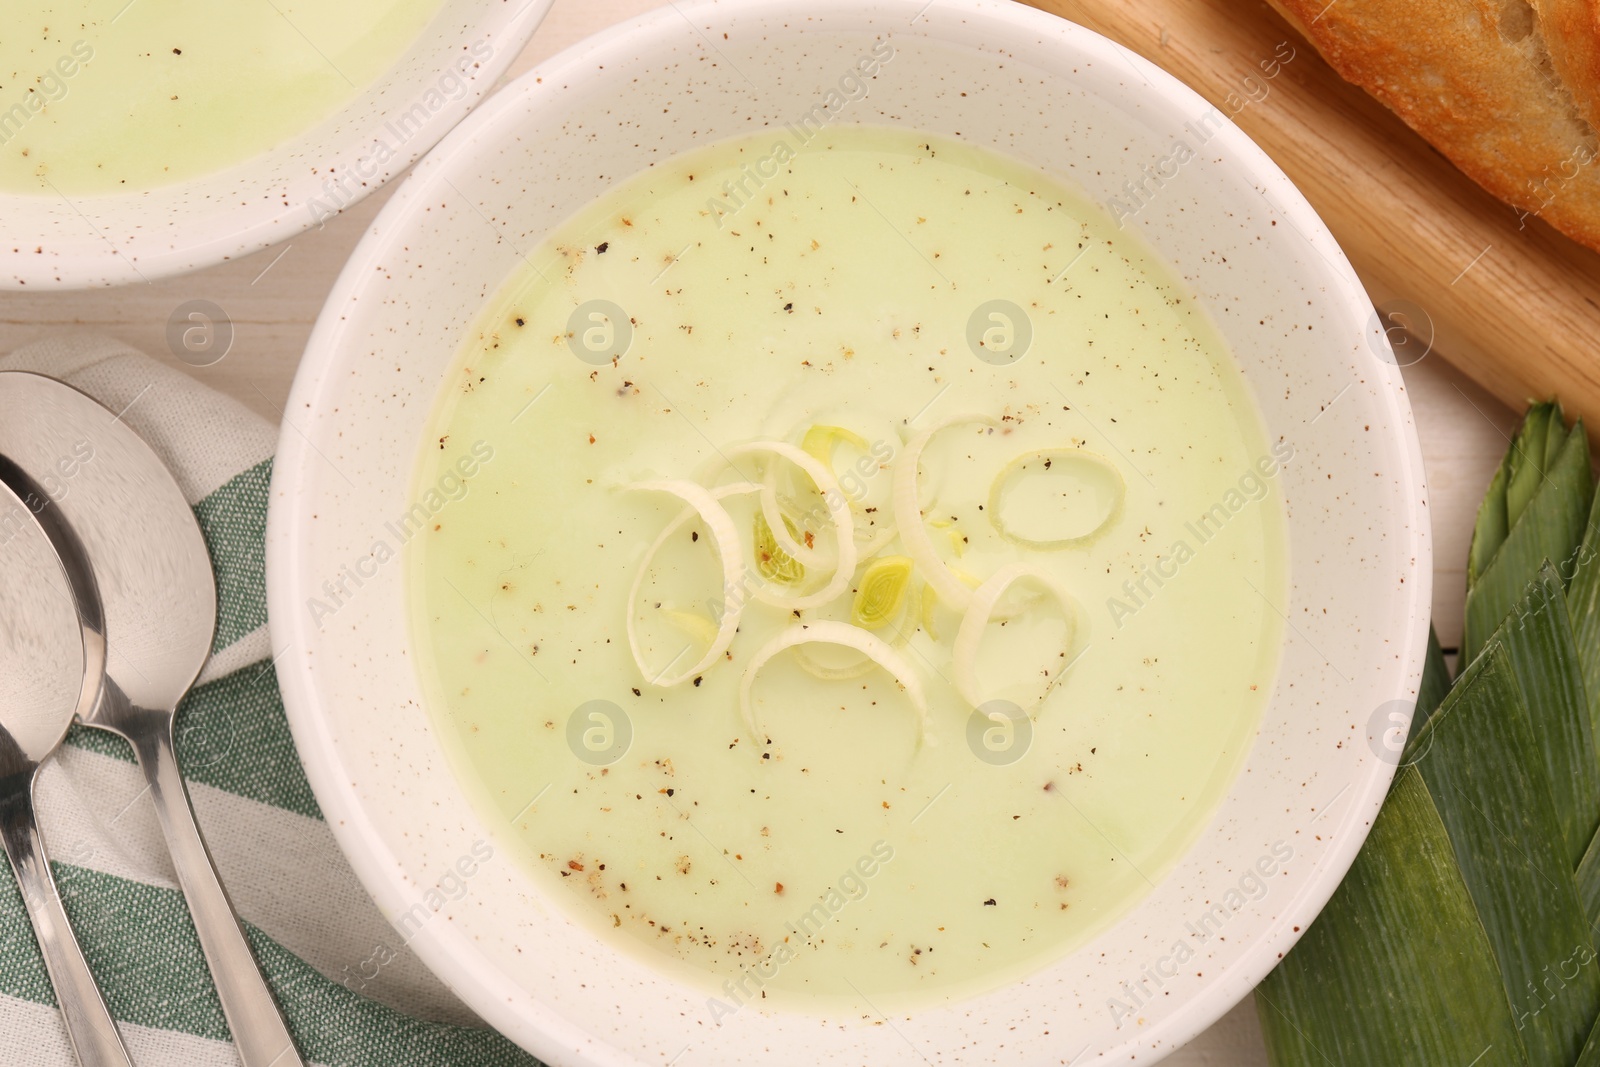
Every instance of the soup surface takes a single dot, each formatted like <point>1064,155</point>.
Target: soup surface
<point>108,96</point>
<point>1055,511</point>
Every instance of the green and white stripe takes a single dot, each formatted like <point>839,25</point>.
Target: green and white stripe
<point>315,930</point>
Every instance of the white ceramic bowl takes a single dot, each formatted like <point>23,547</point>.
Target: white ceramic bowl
<point>996,74</point>
<point>82,242</point>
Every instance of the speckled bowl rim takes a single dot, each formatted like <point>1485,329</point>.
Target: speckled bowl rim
<point>34,257</point>
<point>549,1034</point>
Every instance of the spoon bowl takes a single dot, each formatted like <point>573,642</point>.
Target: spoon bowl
<point>156,585</point>
<point>53,662</point>
<point>53,647</point>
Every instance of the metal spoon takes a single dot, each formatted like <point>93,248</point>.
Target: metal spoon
<point>160,602</point>
<point>53,664</point>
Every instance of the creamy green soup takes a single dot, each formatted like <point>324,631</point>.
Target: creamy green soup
<point>108,96</point>
<point>1056,515</point>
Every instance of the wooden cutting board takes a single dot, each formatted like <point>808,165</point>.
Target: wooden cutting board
<point>1511,302</point>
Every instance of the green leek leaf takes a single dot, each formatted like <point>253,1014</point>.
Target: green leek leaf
<point>1589,881</point>
<point>1489,782</point>
<point>1431,692</point>
<point>1549,526</point>
<point>1554,443</point>
<point>1538,637</point>
<point>1582,571</point>
<point>1527,459</point>
<point>1465,930</point>
<point>1398,960</point>
<point>1591,1051</point>
<point>1489,533</point>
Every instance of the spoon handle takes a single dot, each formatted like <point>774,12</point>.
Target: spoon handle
<point>259,1031</point>
<point>90,1028</point>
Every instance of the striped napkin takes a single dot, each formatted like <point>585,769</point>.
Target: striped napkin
<point>355,995</point>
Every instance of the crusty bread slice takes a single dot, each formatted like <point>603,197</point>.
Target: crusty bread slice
<point>1571,31</point>
<point>1482,82</point>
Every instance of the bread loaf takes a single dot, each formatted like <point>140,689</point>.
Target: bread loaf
<point>1509,91</point>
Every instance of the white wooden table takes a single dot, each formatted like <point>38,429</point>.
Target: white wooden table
<point>273,297</point>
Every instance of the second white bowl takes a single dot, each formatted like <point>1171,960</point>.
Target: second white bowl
<point>62,242</point>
